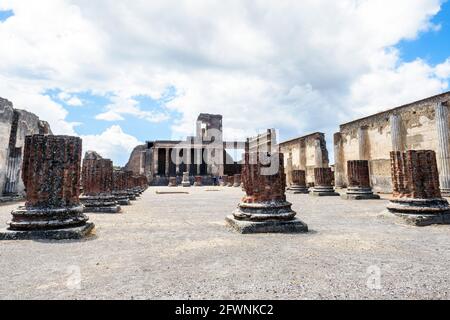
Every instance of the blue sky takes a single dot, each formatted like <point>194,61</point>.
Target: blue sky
<point>120,79</point>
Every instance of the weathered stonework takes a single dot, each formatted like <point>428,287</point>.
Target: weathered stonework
<point>416,188</point>
<point>230,181</point>
<point>324,183</point>
<point>298,185</point>
<point>224,181</point>
<point>97,182</point>
<point>120,192</point>
<point>51,174</point>
<point>264,209</point>
<point>15,125</point>
<point>419,125</point>
<point>305,153</point>
<point>359,181</point>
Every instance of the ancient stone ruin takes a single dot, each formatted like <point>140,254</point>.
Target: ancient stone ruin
<point>237,180</point>
<point>224,181</point>
<point>359,181</point>
<point>51,174</point>
<point>120,191</point>
<point>298,182</point>
<point>264,209</point>
<point>417,194</point>
<point>230,181</point>
<point>97,182</point>
<point>173,182</point>
<point>323,183</point>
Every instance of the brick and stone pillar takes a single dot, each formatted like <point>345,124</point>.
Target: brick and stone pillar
<point>323,185</point>
<point>120,192</point>
<point>51,174</point>
<point>264,208</point>
<point>97,181</point>
<point>359,187</point>
<point>417,194</point>
<point>443,150</point>
<point>237,180</point>
<point>396,132</point>
<point>339,159</point>
<point>298,178</point>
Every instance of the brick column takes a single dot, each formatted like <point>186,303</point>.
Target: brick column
<point>359,187</point>
<point>51,174</point>
<point>264,208</point>
<point>323,185</point>
<point>298,178</point>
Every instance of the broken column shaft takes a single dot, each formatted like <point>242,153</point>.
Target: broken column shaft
<point>51,174</point>
<point>298,182</point>
<point>323,185</point>
<point>359,187</point>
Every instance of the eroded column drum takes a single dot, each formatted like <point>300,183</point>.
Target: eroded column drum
<point>323,185</point>
<point>51,174</point>
<point>97,181</point>
<point>359,187</point>
<point>198,181</point>
<point>237,180</point>
<point>417,194</point>
<point>298,182</point>
<point>264,208</point>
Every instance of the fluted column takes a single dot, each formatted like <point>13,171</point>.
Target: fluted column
<point>318,154</point>
<point>396,132</point>
<point>167,161</point>
<point>155,161</point>
<point>443,150</point>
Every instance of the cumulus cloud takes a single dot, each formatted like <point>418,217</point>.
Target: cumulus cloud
<point>300,66</point>
<point>113,143</point>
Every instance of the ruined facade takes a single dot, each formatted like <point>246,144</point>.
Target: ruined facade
<point>162,159</point>
<point>305,153</point>
<point>420,125</point>
<point>15,125</point>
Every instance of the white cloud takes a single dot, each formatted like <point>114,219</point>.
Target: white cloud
<point>300,66</point>
<point>113,143</point>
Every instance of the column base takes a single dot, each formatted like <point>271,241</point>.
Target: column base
<point>75,233</point>
<point>445,193</point>
<point>103,209</point>
<point>271,226</point>
<point>421,212</point>
<point>360,194</point>
<point>298,190</point>
<point>323,192</point>
<point>186,184</point>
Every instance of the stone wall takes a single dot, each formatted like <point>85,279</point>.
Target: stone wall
<point>409,127</point>
<point>305,153</point>
<point>15,125</point>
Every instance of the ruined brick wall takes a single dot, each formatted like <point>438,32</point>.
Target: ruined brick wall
<point>418,132</point>
<point>263,188</point>
<point>415,174</point>
<point>119,180</point>
<point>135,162</point>
<point>97,176</point>
<point>358,173</point>
<point>305,153</point>
<point>323,177</point>
<point>51,171</point>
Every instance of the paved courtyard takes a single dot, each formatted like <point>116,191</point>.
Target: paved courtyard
<point>176,246</point>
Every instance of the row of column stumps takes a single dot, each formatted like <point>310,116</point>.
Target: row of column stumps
<point>226,181</point>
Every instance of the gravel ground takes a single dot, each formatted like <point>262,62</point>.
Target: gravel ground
<point>176,246</point>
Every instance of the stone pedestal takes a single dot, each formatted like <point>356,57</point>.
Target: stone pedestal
<point>186,181</point>
<point>237,181</point>
<point>198,181</point>
<point>51,174</point>
<point>264,209</point>
<point>298,182</point>
<point>417,194</point>
<point>97,181</point>
<point>173,182</point>
<point>359,182</point>
<point>224,181</point>
<point>323,183</point>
